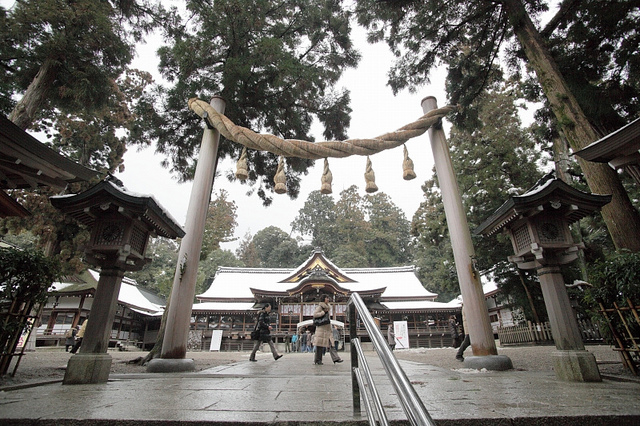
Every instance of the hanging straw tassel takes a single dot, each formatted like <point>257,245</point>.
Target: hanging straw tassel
<point>280,179</point>
<point>370,178</point>
<point>242,169</point>
<point>327,179</point>
<point>407,166</point>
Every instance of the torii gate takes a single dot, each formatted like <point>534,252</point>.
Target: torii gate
<point>174,347</point>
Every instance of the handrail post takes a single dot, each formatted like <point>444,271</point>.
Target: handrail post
<point>353,334</point>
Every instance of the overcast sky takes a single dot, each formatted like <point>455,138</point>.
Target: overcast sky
<point>375,111</point>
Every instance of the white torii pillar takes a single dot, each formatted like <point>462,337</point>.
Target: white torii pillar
<point>176,334</point>
<point>475,309</point>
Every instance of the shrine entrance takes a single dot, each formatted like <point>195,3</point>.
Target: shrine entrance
<point>179,310</point>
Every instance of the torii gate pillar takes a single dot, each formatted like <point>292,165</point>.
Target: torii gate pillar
<point>176,334</point>
<point>475,308</point>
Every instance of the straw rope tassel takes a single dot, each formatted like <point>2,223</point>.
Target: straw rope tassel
<point>280,179</point>
<point>370,178</point>
<point>407,166</point>
<point>242,169</point>
<point>327,179</point>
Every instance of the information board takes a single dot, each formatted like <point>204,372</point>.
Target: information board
<point>216,340</point>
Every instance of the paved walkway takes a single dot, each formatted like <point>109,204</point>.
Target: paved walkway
<point>293,391</point>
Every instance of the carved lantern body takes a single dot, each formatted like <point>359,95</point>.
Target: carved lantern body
<point>538,222</point>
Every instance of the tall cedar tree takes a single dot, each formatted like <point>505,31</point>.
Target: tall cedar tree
<point>356,231</point>
<point>67,64</point>
<point>274,63</point>
<point>467,36</point>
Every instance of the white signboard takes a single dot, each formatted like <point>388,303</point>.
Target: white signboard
<point>216,340</point>
<point>402,334</point>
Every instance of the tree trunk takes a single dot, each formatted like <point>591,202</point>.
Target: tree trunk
<point>28,107</point>
<point>621,218</point>
<point>534,311</point>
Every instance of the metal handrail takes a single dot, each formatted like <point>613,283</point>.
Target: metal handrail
<point>411,403</point>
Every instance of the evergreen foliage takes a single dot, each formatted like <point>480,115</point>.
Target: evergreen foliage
<point>356,231</point>
<point>469,35</point>
<point>25,278</point>
<point>275,64</point>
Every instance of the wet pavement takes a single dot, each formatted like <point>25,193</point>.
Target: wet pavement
<point>293,391</point>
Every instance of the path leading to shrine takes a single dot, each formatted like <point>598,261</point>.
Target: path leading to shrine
<point>295,391</point>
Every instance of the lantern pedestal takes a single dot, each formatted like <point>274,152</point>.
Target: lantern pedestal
<point>168,365</point>
<point>87,368</point>
<point>576,366</point>
<point>570,362</point>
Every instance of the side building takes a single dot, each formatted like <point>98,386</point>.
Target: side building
<point>137,319</point>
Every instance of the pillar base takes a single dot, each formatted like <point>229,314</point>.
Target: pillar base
<point>576,366</point>
<point>170,365</point>
<point>87,369</point>
<point>490,362</point>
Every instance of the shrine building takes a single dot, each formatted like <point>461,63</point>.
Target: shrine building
<point>392,294</point>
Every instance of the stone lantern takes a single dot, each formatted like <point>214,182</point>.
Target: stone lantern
<point>120,224</point>
<point>538,224</point>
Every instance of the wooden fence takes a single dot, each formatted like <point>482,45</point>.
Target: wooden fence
<point>540,333</point>
<point>624,325</point>
<point>525,333</point>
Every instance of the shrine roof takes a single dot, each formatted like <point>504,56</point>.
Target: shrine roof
<point>618,148</point>
<point>236,283</point>
<point>25,162</point>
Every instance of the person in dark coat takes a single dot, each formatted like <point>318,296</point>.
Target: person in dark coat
<point>70,337</point>
<point>264,327</point>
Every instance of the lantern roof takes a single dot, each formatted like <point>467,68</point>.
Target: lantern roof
<point>549,193</point>
<point>110,193</point>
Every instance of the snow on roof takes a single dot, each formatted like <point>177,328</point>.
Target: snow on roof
<point>488,286</point>
<point>130,295</point>
<point>223,306</point>
<point>236,283</point>
<point>421,304</point>
<point>118,185</point>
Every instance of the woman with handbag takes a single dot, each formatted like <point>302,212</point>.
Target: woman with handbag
<point>264,336</point>
<point>324,337</point>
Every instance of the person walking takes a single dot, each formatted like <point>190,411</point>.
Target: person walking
<point>467,340</point>
<point>70,338</point>
<point>391,337</point>
<point>294,342</point>
<point>336,336</point>
<point>264,328</point>
<point>324,337</point>
<point>80,336</point>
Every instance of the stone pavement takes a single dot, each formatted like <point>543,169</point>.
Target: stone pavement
<point>293,391</point>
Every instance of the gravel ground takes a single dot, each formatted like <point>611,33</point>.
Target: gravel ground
<point>49,363</point>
